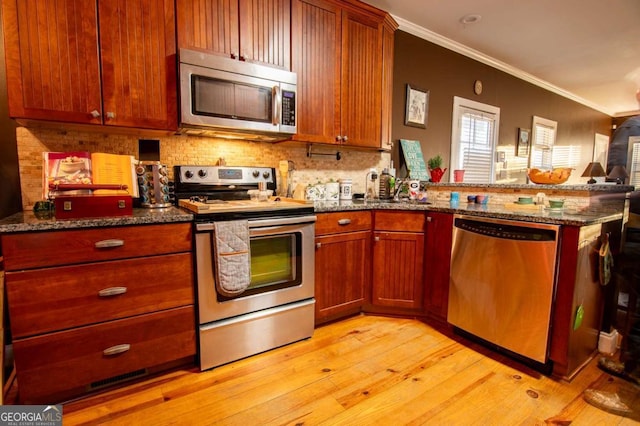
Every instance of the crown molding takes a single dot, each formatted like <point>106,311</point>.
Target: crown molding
<point>447,43</point>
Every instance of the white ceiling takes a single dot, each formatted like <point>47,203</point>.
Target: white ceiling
<point>586,50</point>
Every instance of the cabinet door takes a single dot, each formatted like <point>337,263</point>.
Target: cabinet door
<point>437,262</point>
<point>137,45</point>
<point>210,25</point>
<point>397,269</point>
<point>316,27</point>
<point>361,81</point>
<point>52,60</point>
<point>265,32</point>
<point>342,274</point>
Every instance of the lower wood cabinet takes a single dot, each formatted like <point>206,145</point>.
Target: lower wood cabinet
<point>438,240</point>
<point>54,366</point>
<point>398,263</point>
<point>343,253</point>
<point>86,315</point>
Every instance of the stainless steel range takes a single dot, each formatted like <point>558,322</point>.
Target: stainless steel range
<point>260,294</point>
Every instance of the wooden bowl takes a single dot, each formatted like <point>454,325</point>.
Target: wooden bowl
<point>549,177</point>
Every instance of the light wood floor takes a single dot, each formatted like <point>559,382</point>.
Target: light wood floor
<point>361,371</point>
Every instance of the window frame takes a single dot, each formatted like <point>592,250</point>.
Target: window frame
<point>537,124</point>
<point>459,105</point>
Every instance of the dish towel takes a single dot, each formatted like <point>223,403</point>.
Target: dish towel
<point>232,256</point>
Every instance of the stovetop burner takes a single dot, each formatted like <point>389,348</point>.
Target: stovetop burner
<point>221,193</point>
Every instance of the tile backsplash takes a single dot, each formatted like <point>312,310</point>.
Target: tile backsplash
<point>191,150</point>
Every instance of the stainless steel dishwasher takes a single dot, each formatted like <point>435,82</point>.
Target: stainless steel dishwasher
<point>502,282</point>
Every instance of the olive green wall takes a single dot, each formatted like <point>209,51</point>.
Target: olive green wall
<point>446,74</point>
<point>10,201</point>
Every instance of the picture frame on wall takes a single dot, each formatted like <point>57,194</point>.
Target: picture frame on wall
<point>524,141</point>
<point>417,107</point>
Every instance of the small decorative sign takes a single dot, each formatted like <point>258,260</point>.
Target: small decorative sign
<point>414,160</point>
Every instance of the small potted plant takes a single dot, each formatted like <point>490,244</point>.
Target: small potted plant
<point>435,168</point>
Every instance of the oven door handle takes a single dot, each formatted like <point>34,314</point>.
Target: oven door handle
<point>262,223</point>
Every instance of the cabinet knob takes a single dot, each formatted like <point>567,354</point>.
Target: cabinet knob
<point>318,245</point>
<point>117,349</point>
<point>376,238</point>
<point>339,138</point>
<point>112,291</point>
<point>111,115</point>
<point>345,139</point>
<point>109,243</point>
<point>95,114</point>
<point>234,55</point>
<point>429,218</point>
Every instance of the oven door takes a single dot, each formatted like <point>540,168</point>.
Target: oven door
<point>282,268</point>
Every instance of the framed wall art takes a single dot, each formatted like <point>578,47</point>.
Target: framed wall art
<point>524,140</point>
<point>417,107</point>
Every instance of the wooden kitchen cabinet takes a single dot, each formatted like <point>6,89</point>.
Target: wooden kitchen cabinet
<point>438,240</point>
<point>247,30</point>
<point>104,62</point>
<point>398,262</point>
<point>342,273</point>
<point>86,315</point>
<point>342,51</point>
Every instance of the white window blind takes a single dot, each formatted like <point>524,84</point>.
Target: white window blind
<point>473,140</point>
<point>543,139</point>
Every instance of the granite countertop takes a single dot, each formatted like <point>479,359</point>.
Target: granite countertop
<point>26,221</point>
<point>588,216</point>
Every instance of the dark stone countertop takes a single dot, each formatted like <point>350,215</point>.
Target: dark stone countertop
<point>26,221</point>
<point>587,216</point>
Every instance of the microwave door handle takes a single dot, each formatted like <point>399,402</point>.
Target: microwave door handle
<point>276,94</point>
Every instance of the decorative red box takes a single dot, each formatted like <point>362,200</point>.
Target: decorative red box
<point>81,206</point>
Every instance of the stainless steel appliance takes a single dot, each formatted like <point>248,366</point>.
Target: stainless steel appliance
<point>227,98</point>
<point>502,283</point>
<point>277,308</point>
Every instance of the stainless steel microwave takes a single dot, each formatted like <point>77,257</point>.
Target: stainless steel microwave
<point>228,98</point>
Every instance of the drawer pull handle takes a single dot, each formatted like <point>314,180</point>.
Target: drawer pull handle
<point>343,222</point>
<point>117,349</point>
<point>112,291</point>
<point>109,243</point>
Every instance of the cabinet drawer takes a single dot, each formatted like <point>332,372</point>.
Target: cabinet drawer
<point>58,362</point>
<point>53,248</point>
<point>43,300</point>
<point>333,223</point>
<point>399,221</point>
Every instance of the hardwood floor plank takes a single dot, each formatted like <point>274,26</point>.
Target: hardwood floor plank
<point>365,370</point>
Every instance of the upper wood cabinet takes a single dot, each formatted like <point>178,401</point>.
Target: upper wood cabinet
<point>97,62</point>
<point>248,30</point>
<point>343,57</point>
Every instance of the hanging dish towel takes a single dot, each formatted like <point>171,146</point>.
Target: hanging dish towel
<point>232,256</point>
<point>606,261</point>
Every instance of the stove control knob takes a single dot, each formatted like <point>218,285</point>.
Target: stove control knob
<point>188,174</point>
<point>266,175</point>
<point>256,173</point>
<point>202,173</point>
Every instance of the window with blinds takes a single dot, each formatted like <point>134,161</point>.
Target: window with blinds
<point>473,142</point>
<point>634,161</point>
<point>543,138</point>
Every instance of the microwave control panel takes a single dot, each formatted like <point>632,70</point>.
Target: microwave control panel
<point>288,108</point>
